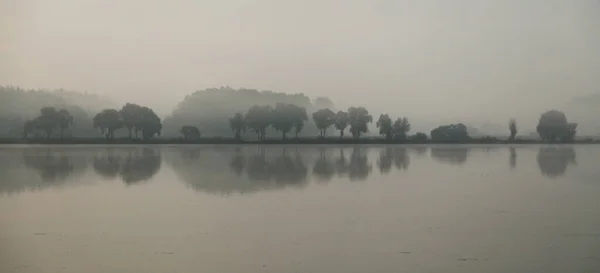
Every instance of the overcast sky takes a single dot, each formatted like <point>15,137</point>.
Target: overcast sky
<point>425,58</point>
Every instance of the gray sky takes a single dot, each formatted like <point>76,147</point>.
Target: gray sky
<point>427,59</point>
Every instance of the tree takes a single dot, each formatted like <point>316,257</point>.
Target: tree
<point>358,118</point>
<point>258,118</point>
<point>299,117</point>
<point>190,132</point>
<point>238,125</point>
<point>30,127</point>
<point>384,123</point>
<point>553,126</point>
<point>282,118</point>
<point>65,120</point>
<point>323,118</point>
<point>107,121</point>
<point>419,137</point>
<point>512,126</point>
<point>131,116</point>
<point>340,122</point>
<point>149,123</point>
<point>48,120</point>
<point>450,133</point>
<point>401,127</point>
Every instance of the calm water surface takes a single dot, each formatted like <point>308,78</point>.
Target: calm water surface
<point>299,209</point>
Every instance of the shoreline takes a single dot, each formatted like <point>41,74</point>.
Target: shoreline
<point>290,141</point>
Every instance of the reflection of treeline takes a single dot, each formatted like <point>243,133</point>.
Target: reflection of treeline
<point>51,168</point>
<point>553,161</point>
<point>130,164</point>
<point>238,169</point>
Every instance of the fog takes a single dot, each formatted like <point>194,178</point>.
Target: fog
<point>433,61</point>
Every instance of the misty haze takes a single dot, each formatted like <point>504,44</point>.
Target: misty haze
<point>299,136</point>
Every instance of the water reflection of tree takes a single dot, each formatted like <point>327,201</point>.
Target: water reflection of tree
<point>107,165</point>
<point>132,165</point>
<point>324,168</point>
<point>512,161</point>
<point>238,162</point>
<point>385,160</point>
<point>450,155</point>
<point>53,165</point>
<point>242,170</point>
<point>396,156</point>
<point>359,167</point>
<point>553,161</point>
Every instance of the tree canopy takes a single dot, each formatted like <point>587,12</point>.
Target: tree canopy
<point>210,109</point>
<point>450,133</point>
<point>359,118</point>
<point>323,118</point>
<point>553,126</point>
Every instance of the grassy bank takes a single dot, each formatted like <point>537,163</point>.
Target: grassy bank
<point>332,141</point>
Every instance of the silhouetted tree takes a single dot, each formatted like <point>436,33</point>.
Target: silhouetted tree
<point>131,115</point>
<point>512,126</point>
<point>341,121</point>
<point>400,128</point>
<point>299,117</point>
<point>385,126</point>
<point>419,137</point>
<point>237,125</point>
<point>30,127</point>
<point>285,117</point>
<point>553,126</point>
<point>149,123</point>
<point>65,120</point>
<point>452,133</point>
<point>48,121</point>
<point>107,121</point>
<point>323,118</point>
<point>190,132</point>
<point>258,118</point>
<point>359,118</point>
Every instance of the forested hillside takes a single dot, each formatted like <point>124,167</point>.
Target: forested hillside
<point>19,105</point>
<point>210,110</point>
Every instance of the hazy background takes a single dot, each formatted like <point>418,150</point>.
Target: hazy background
<point>434,61</point>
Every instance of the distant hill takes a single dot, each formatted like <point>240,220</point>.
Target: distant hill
<point>210,110</point>
<point>18,105</point>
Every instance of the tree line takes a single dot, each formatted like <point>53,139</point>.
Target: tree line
<point>284,118</point>
<point>135,118</point>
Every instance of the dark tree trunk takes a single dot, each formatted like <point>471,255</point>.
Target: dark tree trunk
<point>341,134</point>
<point>283,135</point>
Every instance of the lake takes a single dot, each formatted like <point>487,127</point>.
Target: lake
<point>277,208</point>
